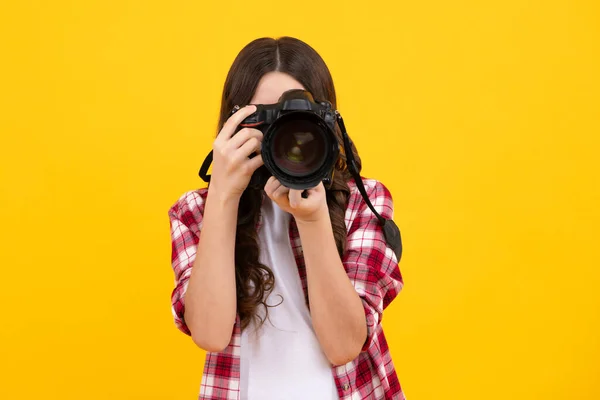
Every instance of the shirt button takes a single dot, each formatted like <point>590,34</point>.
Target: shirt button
<point>345,386</point>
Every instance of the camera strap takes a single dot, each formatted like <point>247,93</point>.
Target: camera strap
<point>391,231</point>
<point>203,173</point>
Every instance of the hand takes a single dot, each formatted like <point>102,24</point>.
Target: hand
<point>232,167</point>
<point>310,209</point>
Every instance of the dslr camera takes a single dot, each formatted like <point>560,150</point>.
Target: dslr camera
<point>299,145</point>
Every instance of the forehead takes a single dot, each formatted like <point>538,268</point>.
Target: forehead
<point>272,85</point>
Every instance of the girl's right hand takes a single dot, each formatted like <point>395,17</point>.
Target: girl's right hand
<point>232,167</point>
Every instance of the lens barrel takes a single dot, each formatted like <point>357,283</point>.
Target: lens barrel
<point>299,149</point>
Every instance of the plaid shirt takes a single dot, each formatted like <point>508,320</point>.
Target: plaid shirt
<point>370,264</point>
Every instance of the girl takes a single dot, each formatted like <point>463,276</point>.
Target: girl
<point>284,292</point>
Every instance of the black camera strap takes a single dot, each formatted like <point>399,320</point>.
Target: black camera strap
<point>391,231</point>
<point>203,173</point>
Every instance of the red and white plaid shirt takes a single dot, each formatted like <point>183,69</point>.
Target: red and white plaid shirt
<point>370,264</point>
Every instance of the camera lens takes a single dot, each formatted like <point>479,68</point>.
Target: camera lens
<point>299,147</point>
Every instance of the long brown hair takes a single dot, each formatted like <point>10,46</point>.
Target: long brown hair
<point>255,281</point>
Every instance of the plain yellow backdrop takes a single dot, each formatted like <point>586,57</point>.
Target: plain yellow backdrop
<point>481,117</point>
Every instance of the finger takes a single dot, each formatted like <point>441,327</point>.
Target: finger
<point>281,191</point>
<point>243,136</point>
<point>314,190</point>
<point>272,179</point>
<point>247,148</point>
<point>295,198</point>
<point>255,163</point>
<point>232,123</point>
<point>271,185</point>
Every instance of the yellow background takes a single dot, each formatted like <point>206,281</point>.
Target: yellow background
<point>481,117</point>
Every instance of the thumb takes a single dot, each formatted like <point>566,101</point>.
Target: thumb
<point>295,198</point>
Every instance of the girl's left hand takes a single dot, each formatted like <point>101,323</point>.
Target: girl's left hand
<point>310,209</point>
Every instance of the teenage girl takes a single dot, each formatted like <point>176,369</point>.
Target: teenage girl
<point>284,292</point>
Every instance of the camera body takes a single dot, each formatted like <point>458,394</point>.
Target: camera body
<point>299,145</point>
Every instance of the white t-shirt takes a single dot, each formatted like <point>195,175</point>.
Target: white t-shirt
<point>283,360</point>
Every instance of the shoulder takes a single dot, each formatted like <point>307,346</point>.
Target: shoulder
<point>189,208</point>
<point>377,193</point>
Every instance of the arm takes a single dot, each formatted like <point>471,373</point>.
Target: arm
<point>211,297</point>
<point>204,300</point>
<point>347,297</point>
<point>370,264</point>
<point>336,309</point>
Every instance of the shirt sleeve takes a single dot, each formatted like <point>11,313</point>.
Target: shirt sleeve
<point>370,263</point>
<point>185,220</point>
